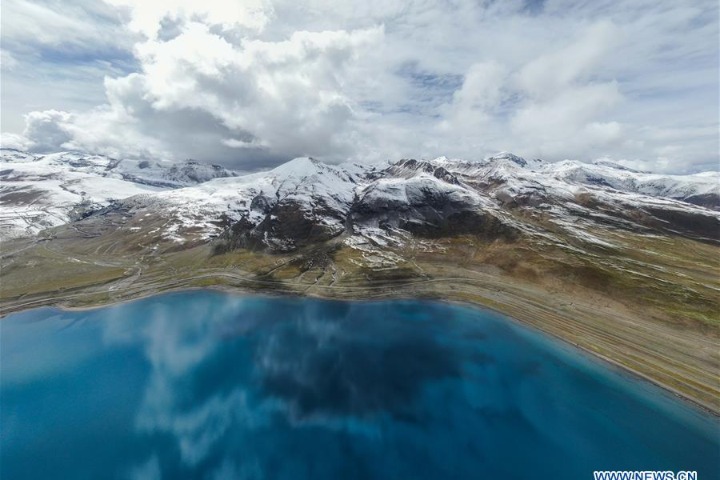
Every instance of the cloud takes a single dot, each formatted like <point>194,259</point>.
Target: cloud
<point>286,94</point>
<point>7,60</point>
<point>477,101</point>
<point>276,99</point>
<point>16,141</point>
<point>251,84</point>
<point>548,107</point>
<point>50,130</point>
<point>55,55</point>
<point>569,121</point>
<point>149,18</point>
<point>28,26</point>
<point>551,73</point>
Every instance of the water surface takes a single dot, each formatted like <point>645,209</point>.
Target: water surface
<point>209,385</point>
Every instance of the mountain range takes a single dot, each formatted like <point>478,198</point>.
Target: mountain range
<point>622,263</point>
<point>305,201</point>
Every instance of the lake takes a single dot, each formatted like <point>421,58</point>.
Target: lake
<point>203,384</point>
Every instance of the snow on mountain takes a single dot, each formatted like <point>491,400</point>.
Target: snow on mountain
<point>701,189</point>
<point>150,172</point>
<point>305,189</point>
<point>512,179</point>
<point>16,156</point>
<point>39,192</point>
<point>305,201</point>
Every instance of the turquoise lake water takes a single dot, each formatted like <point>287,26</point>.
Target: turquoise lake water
<point>208,385</point>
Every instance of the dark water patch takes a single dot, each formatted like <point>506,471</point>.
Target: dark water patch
<point>346,364</point>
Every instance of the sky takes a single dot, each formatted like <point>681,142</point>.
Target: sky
<point>251,84</point>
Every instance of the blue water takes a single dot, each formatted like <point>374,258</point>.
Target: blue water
<point>213,386</point>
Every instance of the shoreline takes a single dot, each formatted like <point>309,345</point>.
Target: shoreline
<point>606,361</point>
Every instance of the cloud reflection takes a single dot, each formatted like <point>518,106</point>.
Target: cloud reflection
<point>354,365</point>
<point>230,364</point>
<point>177,343</point>
<point>149,470</point>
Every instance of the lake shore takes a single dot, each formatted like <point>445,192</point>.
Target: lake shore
<point>666,357</point>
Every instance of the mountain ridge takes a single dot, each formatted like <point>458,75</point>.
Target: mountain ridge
<point>319,199</point>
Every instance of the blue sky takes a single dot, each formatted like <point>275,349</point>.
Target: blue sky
<point>250,84</point>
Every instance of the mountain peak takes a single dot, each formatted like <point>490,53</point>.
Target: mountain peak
<point>300,167</point>
<point>510,157</point>
<point>609,163</point>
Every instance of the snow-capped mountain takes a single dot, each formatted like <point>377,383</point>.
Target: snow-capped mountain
<point>701,189</point>
<point>155,173</point>
<point>305,201</point>
<point>41,191</point>
<point>301,194</point>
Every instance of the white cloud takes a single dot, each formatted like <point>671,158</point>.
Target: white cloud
<point>286,94</point>
<point>235,143</point>
<point>283,96</point>
<point>7,60</point>
<point>49,130</point>
<point>477,100</point>
<point>548,107</point>
<point>147,17</point>
<point>569,121</point>
<point>14,140</point>
<point>552,73</point>
<point>78,25</point>
<point>254,83</point>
